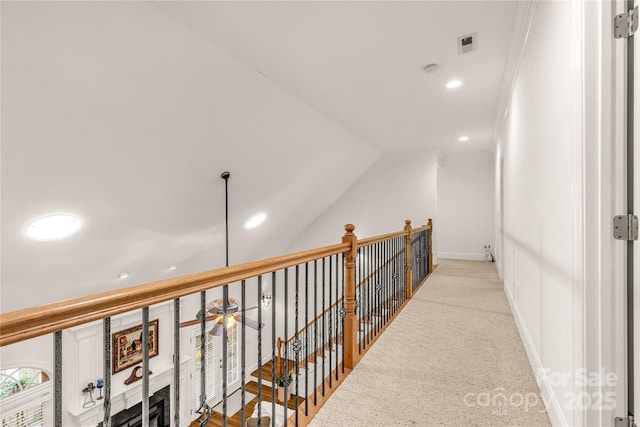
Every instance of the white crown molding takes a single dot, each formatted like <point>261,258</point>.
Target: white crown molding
<point>525,13</point>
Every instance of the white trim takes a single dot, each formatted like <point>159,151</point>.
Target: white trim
<point>556,415</point>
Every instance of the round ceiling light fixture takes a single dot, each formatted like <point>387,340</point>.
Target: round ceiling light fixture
<point>463,139</point>
<point>255,220</point>
<point>454,84</point>
<point>53,227</point>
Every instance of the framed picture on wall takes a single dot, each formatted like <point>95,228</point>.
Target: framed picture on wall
<point>126,346</point>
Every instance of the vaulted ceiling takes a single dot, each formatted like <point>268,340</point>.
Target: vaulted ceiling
<point>125,114</point>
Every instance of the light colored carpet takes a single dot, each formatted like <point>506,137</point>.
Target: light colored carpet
<point>452,357</point>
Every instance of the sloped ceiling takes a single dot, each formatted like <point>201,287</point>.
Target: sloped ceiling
<point>125,114</point>
<point>361,63</point>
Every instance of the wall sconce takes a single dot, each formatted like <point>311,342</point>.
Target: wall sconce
<point>266,299</point>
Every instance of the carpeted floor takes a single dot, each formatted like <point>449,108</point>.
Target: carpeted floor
<point>453,357</point>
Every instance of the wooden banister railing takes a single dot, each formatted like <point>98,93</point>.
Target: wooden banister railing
<point>29,323</point>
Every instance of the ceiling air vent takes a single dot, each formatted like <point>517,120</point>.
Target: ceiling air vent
<point>467,43</point>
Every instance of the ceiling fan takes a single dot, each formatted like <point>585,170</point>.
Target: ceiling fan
<point>215,312</point>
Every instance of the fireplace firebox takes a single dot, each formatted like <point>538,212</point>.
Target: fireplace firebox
<point>159,412</point>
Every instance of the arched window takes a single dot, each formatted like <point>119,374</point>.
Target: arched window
<point>21,407</point>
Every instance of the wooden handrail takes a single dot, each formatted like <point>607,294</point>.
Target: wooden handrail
<point>33,322</point>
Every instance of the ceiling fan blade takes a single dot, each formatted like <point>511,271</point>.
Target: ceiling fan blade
<point>216,330</point>
<point>197,321</point>
<point>250,322</point>
<point>247,309</point>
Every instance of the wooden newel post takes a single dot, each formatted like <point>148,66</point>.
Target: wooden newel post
<point>430,224</point>
<point>279,364</point>
<point>350,319</point>
<point>408,275</point>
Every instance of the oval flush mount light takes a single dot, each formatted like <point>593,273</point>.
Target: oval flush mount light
<point>255,220</point>
<point>463,138</point>
<point>454,84</point>
<point>53,227</point>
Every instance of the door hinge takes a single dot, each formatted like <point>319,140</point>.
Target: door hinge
<point>625,227</point>
<point>625,24</point>
<point>624,422</point>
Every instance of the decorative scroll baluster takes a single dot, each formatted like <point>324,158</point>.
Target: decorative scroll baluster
<point>203,410</point>
<point>145,367</point>
<point>57,386</point>
<point>106,332</point>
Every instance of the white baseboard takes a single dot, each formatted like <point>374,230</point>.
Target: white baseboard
<point>548,395</point>
<point>470,256</point>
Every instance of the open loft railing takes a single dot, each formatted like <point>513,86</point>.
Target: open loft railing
<point>224,363</point>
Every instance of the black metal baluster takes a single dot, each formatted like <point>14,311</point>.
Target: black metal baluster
<point>330,320</point>
<point>259,347</point>
<point>306,338</point>
<point>243,355</point>
<point>388,291</point>
<point>344,312</point>
<point>203,410</point>
<point>315,332</point>
<point>106,422</point>
<point>145,367</point>
<point>402,270</point>
<point>57,386</point>
<point>285,368</point>
<point>372,265</point>
<point>359,311</point>
<point>225,352</point>
<point>297,345</point>
<point>323,327</point>
<point>176,362</point>
<point>273,348</point>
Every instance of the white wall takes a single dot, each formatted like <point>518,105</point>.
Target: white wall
<point>397,187</point>
<point>553,203</point>
<point>465,205</point>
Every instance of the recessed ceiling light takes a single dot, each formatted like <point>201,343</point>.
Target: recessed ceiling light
<point>454,84</point>
<point>463,138</point>
<point>255,220</point>
<point>123,275</point>
<point>172,267</point>
<point>53,227</point>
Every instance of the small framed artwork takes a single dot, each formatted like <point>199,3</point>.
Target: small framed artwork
<point>127,346</point>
